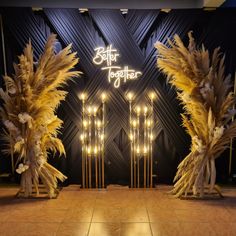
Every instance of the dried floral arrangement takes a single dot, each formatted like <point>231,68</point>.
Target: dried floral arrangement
<point>208,102</point>
<point>30,100</point>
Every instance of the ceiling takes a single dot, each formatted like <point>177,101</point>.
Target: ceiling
<point>130,4</point>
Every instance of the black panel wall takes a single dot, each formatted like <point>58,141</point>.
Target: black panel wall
<point>134,35</point>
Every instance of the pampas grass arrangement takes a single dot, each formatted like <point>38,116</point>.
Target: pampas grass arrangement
<point>30,100</point>
<point>208,102</point>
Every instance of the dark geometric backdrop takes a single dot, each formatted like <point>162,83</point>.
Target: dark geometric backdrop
<point>133,35</point>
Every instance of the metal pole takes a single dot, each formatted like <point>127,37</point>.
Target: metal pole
<point>83,140</point>
<point>5,73</point>
<point>150,140</point>
<point>231,140</point>
<point>103,143</point>
<point>138,145</point>
<point>3,47</point>
<point>131,138</point>
<point>90,150</point>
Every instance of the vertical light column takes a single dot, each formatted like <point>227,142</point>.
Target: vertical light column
<point>89,150</point>
<point>145,144</point>
<point>130,99</point>
<point>152,96</point>
<point>83,97</point>
<point>141,137</point>
<point>99,152</point>
<point>85,148</point>
<point>95,145</point>
<point>135,151</point>
<point>103,136</point>
<point>138,109</point>
<point>92,139</point>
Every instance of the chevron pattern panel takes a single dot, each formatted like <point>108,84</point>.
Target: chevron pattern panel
<point>133,35</point>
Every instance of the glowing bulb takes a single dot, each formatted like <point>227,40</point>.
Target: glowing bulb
<point>134,123</point>
<point>89,110</point>
<point>85,123</point>
<point>95,150</point>
<point>130,96</point>
<point>152,95</point>
<point>82,137</point>
<point>89,150</point>
<point>103,97</point>
<point>131,137</point>
<point>98,123</point>
<point>151,137</point>
<point>94,110</point>
<point>82,96</point>
<point>138,109</point>
<point>102,137</point>
<point>145,109</point>
<point>137,150</point>
<point>145,150</point>
<point>148,123</point>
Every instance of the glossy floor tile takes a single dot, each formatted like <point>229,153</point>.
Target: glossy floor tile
<point>116,212</point>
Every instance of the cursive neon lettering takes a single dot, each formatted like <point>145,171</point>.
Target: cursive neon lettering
<point>107,55</point>
<point>116,74</point>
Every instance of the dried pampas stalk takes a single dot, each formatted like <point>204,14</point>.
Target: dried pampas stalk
<point>208,102</point>
<point>31,98</point>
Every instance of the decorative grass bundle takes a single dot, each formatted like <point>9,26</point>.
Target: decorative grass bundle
<point>31,98</point>
<point>208,102</point>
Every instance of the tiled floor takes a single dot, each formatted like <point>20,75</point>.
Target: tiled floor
<point>117,212</point>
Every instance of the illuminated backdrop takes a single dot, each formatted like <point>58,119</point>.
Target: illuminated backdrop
<point>133,36</point>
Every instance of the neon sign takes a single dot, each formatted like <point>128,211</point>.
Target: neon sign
<point>116,74</point>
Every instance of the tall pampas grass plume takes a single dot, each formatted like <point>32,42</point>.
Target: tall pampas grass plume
<point>30,100</point>
<point>208,101</point>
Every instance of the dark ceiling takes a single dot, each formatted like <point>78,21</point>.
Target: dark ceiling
<point>131,4</point>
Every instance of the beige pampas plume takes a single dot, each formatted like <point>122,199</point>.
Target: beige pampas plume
<point>204,91</point>
<point>31,98</point>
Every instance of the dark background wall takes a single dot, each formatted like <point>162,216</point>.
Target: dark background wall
<point>133,34</point>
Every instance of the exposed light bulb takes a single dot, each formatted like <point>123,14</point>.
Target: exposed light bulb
<point>94,110</point>
<point>152,95</point>
<point>82,96</point>
<point>138,109</point>
<point>138,150</point>
<point>103,97</point>
<point>130,96</point>
<point>85,123</point>
<point>89,150</point>
<point>148,123</point>
<point>145,109</point>
<point>131,137</point>
<point>82,137</point>
<point>98,123</point>
<point>145,150</point>
<point>95,150</point>
<point>89,110</point>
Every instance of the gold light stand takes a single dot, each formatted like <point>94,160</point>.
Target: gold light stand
<point>92,140</point>
<point>141,120</point>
